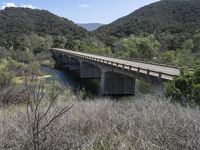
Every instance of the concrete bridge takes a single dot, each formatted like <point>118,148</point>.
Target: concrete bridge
<point>117,76</point>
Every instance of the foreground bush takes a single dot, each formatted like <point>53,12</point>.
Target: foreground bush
<point>186,87</point>
<point>145,123</point>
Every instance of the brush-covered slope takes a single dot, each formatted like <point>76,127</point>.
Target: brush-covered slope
<point>176,18</point>
<point>17,21</point>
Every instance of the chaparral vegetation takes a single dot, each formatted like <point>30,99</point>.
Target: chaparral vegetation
<point>39,113</point>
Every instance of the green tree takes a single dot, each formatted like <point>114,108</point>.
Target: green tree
<point>60,41</point>
<point>9,68</point>
<point>34,43</point>
<point>142,47</point>
<point>184,57</point>
<point>168,57</point>
<point>148,47</point>
<point>4,53</point>
<point>196,39</point>
<point>6,76</point>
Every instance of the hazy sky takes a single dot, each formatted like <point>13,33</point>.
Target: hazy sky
<point>83,11</point>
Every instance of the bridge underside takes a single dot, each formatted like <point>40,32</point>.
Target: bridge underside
<point>117,84</point>
<point>61,59</point>
<point>65,60</point>
<point>74,64</point>
<point>89,71</point>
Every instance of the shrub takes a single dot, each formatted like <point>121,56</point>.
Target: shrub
<point>141,47</point>
<point>173,91</point>
<point>149,122</point>
<point>6,75</point>
<point>185,87</point>
<point>196,93</point>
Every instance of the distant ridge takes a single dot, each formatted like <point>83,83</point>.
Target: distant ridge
<point>90,26</point>
<point>17,21</point>
<point>176,20</point>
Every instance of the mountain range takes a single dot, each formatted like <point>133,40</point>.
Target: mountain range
<point>171,21</point>
<point>90,26</point>
<point>17,21</point>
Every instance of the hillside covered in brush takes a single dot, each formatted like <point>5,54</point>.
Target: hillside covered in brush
<point>18,21</point>
<point>172,21</point>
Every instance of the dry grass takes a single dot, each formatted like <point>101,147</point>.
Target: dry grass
<point>144,123</point>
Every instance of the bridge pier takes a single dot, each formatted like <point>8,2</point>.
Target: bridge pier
<point>116,84</point>
<point>61,59</point>
<point>89,71</point>
<point>74,64</point>
<point>58,57</point>
<point>65,60</point>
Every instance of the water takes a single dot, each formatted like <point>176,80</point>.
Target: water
<point>90,87</point>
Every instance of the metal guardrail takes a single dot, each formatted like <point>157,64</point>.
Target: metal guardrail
<point>124,66</point>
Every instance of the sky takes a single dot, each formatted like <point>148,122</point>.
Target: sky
<point>82,11</point>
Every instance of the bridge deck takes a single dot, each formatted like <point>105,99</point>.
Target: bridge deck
<point>156,70</point>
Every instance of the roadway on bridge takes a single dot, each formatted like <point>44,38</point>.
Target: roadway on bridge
<point>168,71</point>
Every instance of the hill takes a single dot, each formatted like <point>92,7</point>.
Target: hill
<point>90,26</point>
<point>172,21</point>
<point>18,21</point>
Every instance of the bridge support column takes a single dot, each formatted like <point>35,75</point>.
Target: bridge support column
<point>102,83</point>
<point>74,64</point>
<point>57,56</point>
<point>116,84</point>
<point>89,71</point>
<point>65,60</point>
<point>61,59</point>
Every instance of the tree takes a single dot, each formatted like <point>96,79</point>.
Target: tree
<point>184,57</point>
<point>168,57</point>
<point>39,116</point>
<point>196,39</point>
<point>142,47</point>
<point>60,41</point>
<point>4,53</point>
<point>6,75</point>
<point>148,47</point>
<point>34,43</point>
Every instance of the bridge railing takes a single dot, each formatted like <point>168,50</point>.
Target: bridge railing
<point>147,62</point>
<point>139,60</point>
<point>129,67</point>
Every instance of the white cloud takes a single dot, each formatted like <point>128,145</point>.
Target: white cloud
<point>83,5</point>
<point>8,5</point>
<point>28,6</point>
<point>4,5</point>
